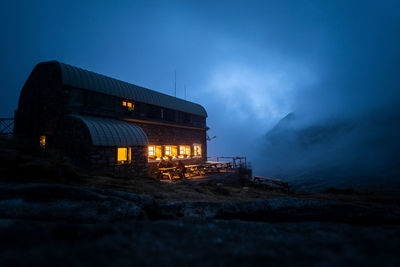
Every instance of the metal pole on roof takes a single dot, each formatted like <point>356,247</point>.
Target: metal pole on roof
<point>185,91</point>
<point>175,83</point>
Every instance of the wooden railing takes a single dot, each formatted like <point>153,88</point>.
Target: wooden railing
<point>6,126</point>
<point>237,162</point>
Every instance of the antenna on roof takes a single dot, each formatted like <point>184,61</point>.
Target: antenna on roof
<point>185,90</point>
<point>175,83</point>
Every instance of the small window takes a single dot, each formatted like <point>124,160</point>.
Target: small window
<point>124,155</point>
<point>184,151</point>
<point>170,151</point>
<point>42,141</point>
<point>154,152</point>
<point>174,151</point>
<point>197,150</point>
<point>129,105</point>
<point>167,151</point>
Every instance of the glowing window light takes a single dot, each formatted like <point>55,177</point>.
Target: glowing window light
<point>42,141</point>
<point>152,151</point>
<point>184,151</point>
<point>174,151</point>
<point>181,150</point>
<point>187,151</point>
<point>167,150</point>
<point>158,152</point>
<point>197,150</point>
<point>124,155</point>
<point>129,105</point>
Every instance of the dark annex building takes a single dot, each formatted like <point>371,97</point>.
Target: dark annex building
<point>106,124</point>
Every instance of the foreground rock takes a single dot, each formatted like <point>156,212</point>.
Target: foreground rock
<point>285,209</point>
<point>69,203</point>
<point>92,205</point>
<point>197,243</point>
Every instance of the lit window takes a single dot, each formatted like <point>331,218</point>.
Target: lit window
<point>155,152</point>
<point>124,155</point>
<point>184,151</point>
<point>42,141</point>
<point>197,150</point>
<point>167,150</point>
<point>158,152</point>
<point>174,151</point>
<point>152,151</point>
<point>187,151</point>
<point>129,105</point>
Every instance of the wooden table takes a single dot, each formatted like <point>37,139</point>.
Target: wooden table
<point>169,171</point>
<point>193,169</point>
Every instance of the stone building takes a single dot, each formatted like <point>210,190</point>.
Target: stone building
<point>105,123</point>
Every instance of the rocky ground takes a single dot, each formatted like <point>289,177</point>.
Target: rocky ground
<point>74,225</point>
<point>53,214</point>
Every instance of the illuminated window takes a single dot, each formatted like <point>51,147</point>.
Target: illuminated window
<point>152,151</point>
<point>197,150</point>
<point>170,151</point>
<point>155,152</point>
<point>167,150</point>
<point>129,105</point>
<point>124,155</point>
<point>158,152</point>
<point>184,151</point>
<point>174,151</point>
<point>42,141</point>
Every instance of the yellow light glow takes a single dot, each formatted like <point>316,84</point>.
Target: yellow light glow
<point>152,151</point>
<point>122,154</point>
<point>42,141</point>
<point>184,151</point>
<point>124,103</point>
<point>187,151</point>
<point>167,150</point>
<point>129,104</point>
<point>197,150</point>
<point>158,152</point>
<point>174,151</point>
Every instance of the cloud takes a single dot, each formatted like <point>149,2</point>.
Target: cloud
<point>253,93</point>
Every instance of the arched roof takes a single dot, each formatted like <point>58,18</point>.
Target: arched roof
<point>84,79</point>
<point>110,132</point>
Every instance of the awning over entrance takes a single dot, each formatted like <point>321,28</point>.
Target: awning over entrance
<point>111,132</point>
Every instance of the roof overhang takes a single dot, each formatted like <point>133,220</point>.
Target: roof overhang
<point>111,132</point>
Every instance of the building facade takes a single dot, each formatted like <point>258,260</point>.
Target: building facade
<point>106,124</point>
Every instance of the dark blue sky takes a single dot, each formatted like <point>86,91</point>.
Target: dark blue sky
<point>248,62</point>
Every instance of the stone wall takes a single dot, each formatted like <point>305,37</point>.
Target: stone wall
<point>104,159</point>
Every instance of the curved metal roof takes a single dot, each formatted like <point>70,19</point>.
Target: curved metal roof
<point>84,79</point>
<point>110,132</point>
